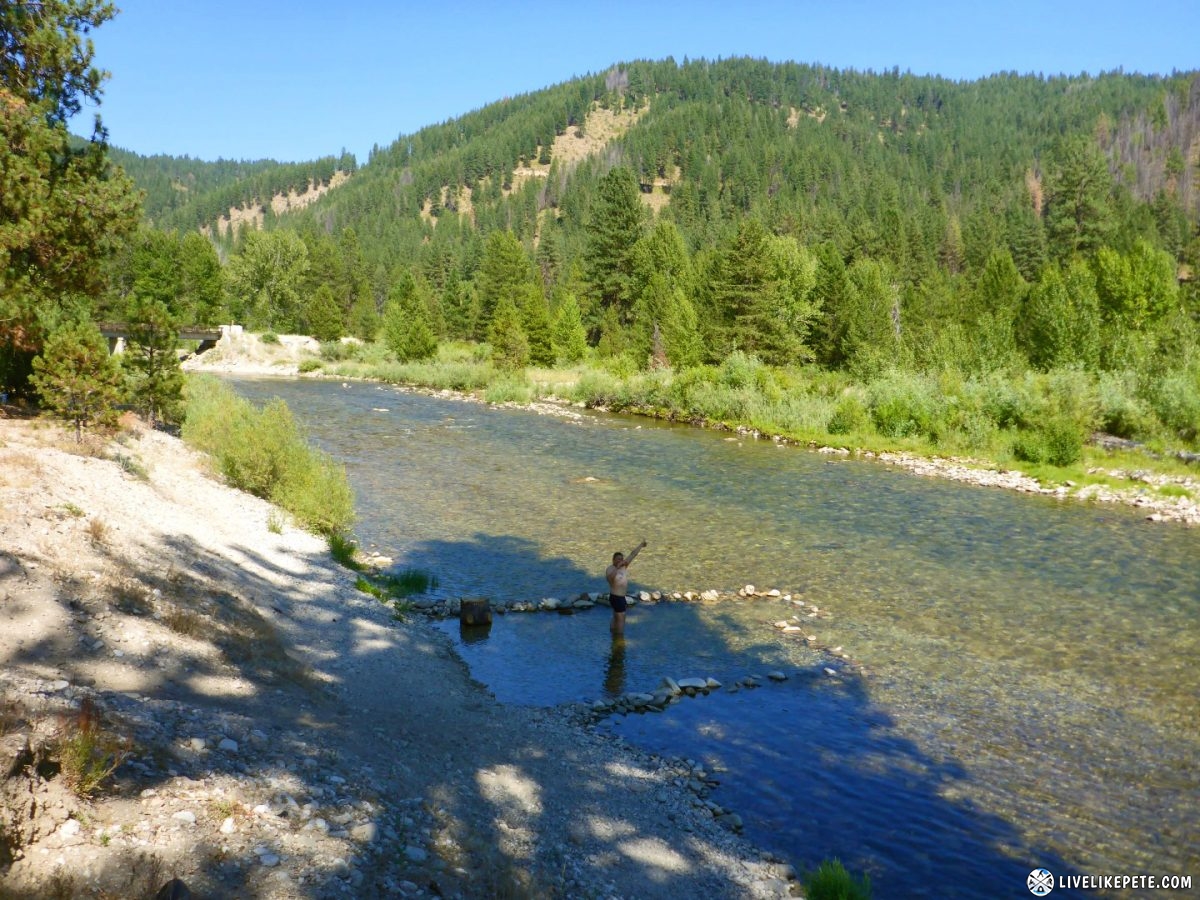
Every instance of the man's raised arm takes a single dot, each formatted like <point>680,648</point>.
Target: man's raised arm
<point>633,553</point>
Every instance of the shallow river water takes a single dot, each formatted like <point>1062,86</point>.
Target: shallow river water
<point>1034,683</point>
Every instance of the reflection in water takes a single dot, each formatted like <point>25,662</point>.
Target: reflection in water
<point>614,672</point>
<point>474,634</point>
<point>1037,663</point>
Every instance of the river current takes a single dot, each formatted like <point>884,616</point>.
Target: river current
<point>1034,683</point>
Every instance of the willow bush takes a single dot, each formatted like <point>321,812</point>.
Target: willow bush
<point>265,452</point>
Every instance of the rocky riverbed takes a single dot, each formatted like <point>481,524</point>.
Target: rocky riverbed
<point>280,734</point>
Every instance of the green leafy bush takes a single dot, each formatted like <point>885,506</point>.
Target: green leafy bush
<point>850,415</point>
<point>1059,442</point>
<point>263,451</point>
<point>902,405</point>
<point>269,337</point>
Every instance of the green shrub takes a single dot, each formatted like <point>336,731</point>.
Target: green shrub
<point>739,370</point>
<point>1058,442</point>
<point>901,405</point>
<point>509,389</point>
<point>1175,399</point>
<point>269,337</point>
<point>1121,411</point>
<point>850,415</point>
<point>831,881</point>
<point>310,365</point>
<point>264,452</point>
<point>338,351</point>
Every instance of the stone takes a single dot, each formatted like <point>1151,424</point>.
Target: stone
<point>696,684</point>
<point>777,676</point>
<point>712,684</point>
<point>186,816</point>
<point>228,745</point>
<point>749,589</point>
<point>415,854</point>
<point>671,685</point>
<point>228,827</point>
<point>367,832</point>
<point>70,828</point>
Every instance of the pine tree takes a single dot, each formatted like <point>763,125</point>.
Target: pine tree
<point>504,274</point>
<point>323,316</point>
<point>613,229</point>
<point>406,328</point>
<point>570,337</point>
<point>510,347</point>
<point>535,319</point>
<point>76,378</point>
<point>157,383</point>
<point>64,208</point>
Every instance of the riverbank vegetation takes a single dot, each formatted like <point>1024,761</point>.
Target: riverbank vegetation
<point>997,268</point>
<point>264,451</point>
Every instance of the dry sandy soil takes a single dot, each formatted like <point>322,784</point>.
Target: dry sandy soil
<point>282,735</point>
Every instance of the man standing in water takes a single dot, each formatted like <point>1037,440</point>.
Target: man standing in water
<point>618,585</point>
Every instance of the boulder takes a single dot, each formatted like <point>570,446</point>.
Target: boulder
<point>475,612</point>
<point>696,684</point>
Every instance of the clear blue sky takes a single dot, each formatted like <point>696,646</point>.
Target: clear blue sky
<point>297,79</point>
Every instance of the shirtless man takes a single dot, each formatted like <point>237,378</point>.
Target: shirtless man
<point>618,585</point>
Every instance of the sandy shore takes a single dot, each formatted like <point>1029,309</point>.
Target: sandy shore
<point>284,736</point>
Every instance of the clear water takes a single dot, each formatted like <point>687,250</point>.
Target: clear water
<point>1035,681</point>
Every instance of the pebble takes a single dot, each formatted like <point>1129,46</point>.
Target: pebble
<point>415,854</point>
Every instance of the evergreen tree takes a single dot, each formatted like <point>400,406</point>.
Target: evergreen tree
<point>569,337</point>
<point>510,347</point>
<point>157,379</point>
<point>504,274</point>
<point>406,329</point>
<point>364,317</point>
<point>76,378</point>
<point>64,208</point>
<point>613,229</point>
<point>323,316</point>
<point>1078,205</point>
<point>535,319</point>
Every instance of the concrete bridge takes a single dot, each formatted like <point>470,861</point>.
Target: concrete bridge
<point>208,337</point>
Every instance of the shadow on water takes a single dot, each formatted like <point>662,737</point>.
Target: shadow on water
<point>832,775</point>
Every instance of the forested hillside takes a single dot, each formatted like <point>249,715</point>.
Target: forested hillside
<point>189,194</point>
<point>875,238</point>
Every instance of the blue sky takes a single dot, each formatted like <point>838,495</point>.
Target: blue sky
<point>296,80</point>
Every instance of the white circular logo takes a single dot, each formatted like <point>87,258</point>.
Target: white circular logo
<point>1040,882</point>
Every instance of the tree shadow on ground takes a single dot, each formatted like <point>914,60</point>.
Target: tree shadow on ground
<point>391,699</point>
<point>822,769</point>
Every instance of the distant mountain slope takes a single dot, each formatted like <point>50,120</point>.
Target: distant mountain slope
<point>858,158</point>
<point>189,194</point>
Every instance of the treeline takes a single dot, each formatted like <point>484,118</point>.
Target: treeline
<point>856,222</point>
<point>189,194</point>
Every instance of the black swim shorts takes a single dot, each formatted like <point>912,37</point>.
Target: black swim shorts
<point>617,603</point>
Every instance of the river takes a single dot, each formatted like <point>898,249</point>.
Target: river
<point>1034,664</point>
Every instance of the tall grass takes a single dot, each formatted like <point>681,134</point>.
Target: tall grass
<point>263,450</point>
